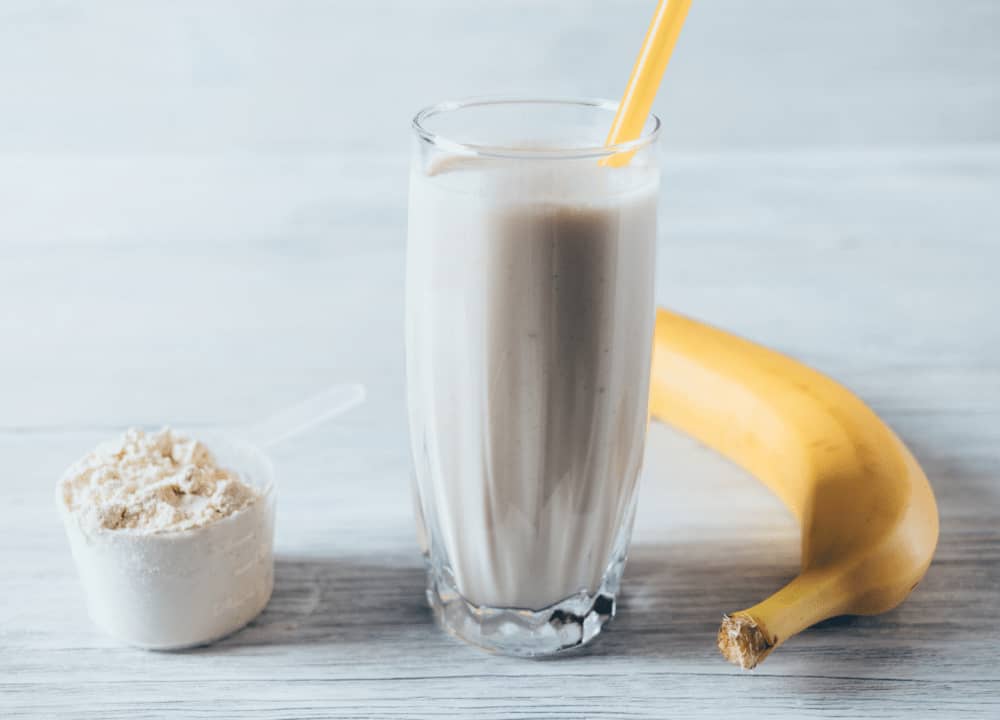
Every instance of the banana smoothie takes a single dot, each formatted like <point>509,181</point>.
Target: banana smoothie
<point>529,326</point>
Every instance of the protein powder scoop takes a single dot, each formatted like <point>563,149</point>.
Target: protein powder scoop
<point>173,537</point>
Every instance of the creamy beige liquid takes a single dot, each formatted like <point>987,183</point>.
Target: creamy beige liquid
<point>529,326</point>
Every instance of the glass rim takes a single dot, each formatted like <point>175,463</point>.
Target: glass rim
<point>500,151</point>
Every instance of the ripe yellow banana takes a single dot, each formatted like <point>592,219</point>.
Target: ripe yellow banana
<point>868,517</point>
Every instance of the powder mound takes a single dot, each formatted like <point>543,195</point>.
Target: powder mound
<point>152,482</point>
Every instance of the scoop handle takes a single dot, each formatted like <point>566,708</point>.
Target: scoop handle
<point>297,419</point>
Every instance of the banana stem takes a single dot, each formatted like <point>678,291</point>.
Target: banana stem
<point>748,636</point>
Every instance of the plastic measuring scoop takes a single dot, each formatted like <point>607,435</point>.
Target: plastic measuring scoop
<point>647,73</point>
<point>176,589</point>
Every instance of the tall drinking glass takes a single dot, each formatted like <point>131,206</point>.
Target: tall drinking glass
<point>529,324</point>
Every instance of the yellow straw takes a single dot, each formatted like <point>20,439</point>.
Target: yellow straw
<point>646,75</point>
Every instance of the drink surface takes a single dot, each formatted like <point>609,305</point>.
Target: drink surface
<point>530,312</point>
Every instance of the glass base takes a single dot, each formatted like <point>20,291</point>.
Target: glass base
<point>570,623</point>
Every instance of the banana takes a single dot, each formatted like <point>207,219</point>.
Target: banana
<point>867,513</point>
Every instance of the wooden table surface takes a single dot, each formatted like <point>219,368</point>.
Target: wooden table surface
<point>174,273</point>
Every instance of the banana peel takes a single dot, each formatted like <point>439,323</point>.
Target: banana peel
<point>868,517</point>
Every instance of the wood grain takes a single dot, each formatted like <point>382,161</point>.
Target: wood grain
<point>192,232</point>
<point>347,632</point>
<point>202,332</point>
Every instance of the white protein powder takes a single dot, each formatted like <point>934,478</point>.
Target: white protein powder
<point>173,548</point>
<point>153,482</point>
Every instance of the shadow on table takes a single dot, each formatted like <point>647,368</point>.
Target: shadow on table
<point>673,598</point>
<point>338,600</point>
<point>674,595</point>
